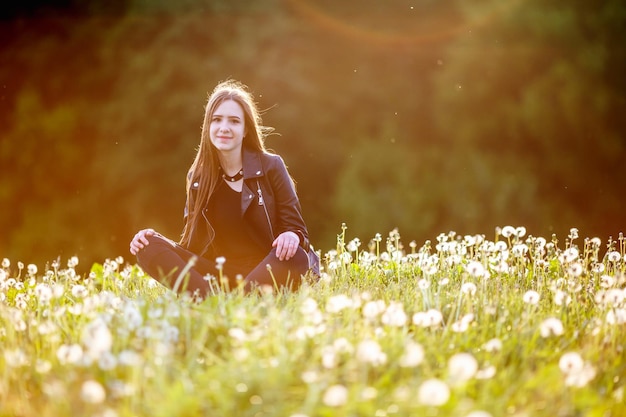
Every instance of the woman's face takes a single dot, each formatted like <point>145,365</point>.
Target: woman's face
<point>227,127</point>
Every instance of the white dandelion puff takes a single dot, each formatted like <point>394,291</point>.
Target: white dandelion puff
<point>413,355</point>
<point>577,372</point>
<point>571,362</point>
<point>15,358</point>
<point>70,354</point>
<point>335,396</point>
<point>551,327</point>
<point>337,303</point>
<point>607,281</point>
<point>394,315</point>
<point>493,345</point>
<point>486,373</point>
<point>433,392</point>
<point>97,338</point>
<point>79,291</point>
<point>569,255</point>
<point>92,392</point>
<point>561,298</point>
<point>475,269</point>
<point>468,288</point>
<point>462,367</point>
<point>507,231</point>
<point>531,297</point>
<point>616,316</point>
<point>613,256</point>
<point>575,269</point>
<point>373,309</point>
<point>369,351</point>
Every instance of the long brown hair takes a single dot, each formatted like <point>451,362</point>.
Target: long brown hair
<point>205,167</point>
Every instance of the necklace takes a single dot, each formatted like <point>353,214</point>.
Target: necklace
<point>234,178</point>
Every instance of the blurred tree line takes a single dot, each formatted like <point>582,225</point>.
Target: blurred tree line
<point>423,115</point>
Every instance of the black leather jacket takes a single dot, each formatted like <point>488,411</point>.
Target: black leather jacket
<point>269,204</point>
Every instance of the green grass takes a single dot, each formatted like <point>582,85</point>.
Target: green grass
<point>445,329</point>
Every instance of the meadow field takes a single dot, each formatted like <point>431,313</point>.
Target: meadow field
<point>505,324</point>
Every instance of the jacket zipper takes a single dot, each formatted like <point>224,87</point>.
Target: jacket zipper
<point>262,203</point>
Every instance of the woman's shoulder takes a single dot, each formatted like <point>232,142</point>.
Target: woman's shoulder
<point>271,159</point>
<point>268,160</point>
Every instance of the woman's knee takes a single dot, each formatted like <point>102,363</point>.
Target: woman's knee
<point>156,245</point>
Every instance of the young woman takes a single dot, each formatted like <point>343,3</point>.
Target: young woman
<point>243,220</point>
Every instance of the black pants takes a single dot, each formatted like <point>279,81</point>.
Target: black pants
<point>164,260</point>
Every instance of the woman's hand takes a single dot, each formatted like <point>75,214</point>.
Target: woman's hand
<point>140,241</point>
<point>286,245</point>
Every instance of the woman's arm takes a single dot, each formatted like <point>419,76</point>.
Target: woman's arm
<point>287,205</point>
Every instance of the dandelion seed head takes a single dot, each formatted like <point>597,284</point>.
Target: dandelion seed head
<point>468,288</point>
<point>369,393</point>
<point>42,366</point>
<point>475,269</point>
<point>31,269</point>
<point>310,377</point>
<point>582,378</point>
<point>70,354</point>
<point>335,396</point>
<point>394,315</point>
<point>337,303</point>
<point>15,358</point>
<point>44,293</point>
<point>507,231</point>
<point>353,245</point>
<point>369,351</point>
<point>551,327</point>
<point>614,297</point>
<point>531,297</point>
<point>79,291</point>
<point>329,357</point>
<point>571,362</point>
<point>240,354</point>
<point>129,358</point>
<point>561,298</point>
<point>613,256</point>
<point>107,361</point>
<point>237,334</point>
<point>577,372</point>
<point>459,326</point>
<point>433,392</point>
<point>373,309</point>
<point>97,338</point>
<point>616,316</point>
<point>486,373</point>
<point>575,269</point>
<point>597,268</point>
<point>493,345</point>
<point>92,392</point>
<point>462,367</point>
<point>569,255</point>
<point>413,355</point>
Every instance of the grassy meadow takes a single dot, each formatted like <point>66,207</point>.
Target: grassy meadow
<point>471,326</point>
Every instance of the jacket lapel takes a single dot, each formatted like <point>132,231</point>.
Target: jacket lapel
<point>252,169</point>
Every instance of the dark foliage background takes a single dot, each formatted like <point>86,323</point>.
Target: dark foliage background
<point>424,115</point>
